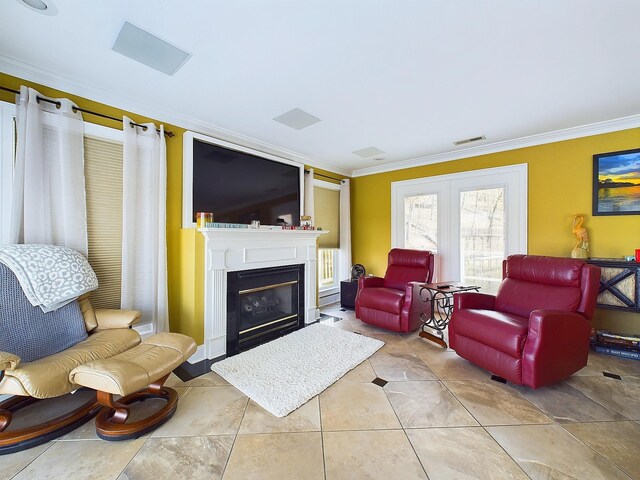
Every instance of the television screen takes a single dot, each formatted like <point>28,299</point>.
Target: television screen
<point>239,187</point>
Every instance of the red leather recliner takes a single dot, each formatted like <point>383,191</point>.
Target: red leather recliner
<point>535,331</point>
<point>393,302</point>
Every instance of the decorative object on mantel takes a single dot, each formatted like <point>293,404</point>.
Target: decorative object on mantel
<point>285,373</point>
<point>225,225</point>
<point>293,227</point>
<point>581,250</point>
<point>203,218</point>
<point>616,183</point>
<point>305,221</point>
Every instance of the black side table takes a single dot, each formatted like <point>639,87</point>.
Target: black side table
<point>348,292</point>
<point>441,297</point>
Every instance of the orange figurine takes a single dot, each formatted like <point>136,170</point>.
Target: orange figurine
<point>581,250</point>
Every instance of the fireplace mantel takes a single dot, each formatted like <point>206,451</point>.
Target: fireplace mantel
<point>233,249</point>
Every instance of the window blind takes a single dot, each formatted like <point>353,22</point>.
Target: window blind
<point>103,185</point>
<point>327,213</point>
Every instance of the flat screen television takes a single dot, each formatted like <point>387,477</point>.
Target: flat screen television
<point>240,185</point>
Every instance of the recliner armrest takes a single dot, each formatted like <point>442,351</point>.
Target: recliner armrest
<point>370,282</point>
<point>109,318</point>
<point>8,361</point>
<point>546,325</point>
<point>557,340</point>
<point>412,291</point>
<point>481,301</point>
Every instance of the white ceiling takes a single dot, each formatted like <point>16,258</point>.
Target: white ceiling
<point>407,77</point>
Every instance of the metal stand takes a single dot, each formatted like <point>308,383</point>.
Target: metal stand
<point>441,297</point>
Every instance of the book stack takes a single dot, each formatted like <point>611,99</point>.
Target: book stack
<point>620,345</point>
<point>225,225</point>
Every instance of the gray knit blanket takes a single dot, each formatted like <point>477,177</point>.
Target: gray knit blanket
<point>50,276</point>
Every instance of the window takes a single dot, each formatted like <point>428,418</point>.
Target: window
<point>103,184</point>
<point>482,237</point>
<point>421,222</point>
<point>327,271</point>
<point>471,220</point>
<point>327,215</point>
<point>7,156</point>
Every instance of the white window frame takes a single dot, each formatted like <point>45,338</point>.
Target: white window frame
<point>448,187</point>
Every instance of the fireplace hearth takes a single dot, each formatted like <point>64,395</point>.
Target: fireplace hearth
<point>263,304</point>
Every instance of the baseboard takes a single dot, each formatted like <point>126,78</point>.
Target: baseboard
<point>187,371</point>
<point>199,356</point>
<point>329,299</point>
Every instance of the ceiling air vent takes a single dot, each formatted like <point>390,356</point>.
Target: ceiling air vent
<point>146,48</point>
<point>368,152</point>
<point>297,119</point>
<point>469,140</point>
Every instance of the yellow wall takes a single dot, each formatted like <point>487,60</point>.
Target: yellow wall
<point>180,272</point>
<point>560,184</point>
<point>185,247</point>
<point>184,312</point>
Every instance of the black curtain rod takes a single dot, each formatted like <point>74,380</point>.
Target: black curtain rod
<point>168,133</point>
<point>325,176</point>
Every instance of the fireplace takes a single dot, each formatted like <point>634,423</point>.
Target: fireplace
<point>263,304</point>
<point>230,250</point>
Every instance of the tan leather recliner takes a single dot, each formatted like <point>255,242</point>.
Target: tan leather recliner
<point>110,338</point>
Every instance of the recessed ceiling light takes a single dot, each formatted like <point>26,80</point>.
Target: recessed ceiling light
<point>146,48</point>
<point>297,119</point>
<point>469,140</point>
<point>44,7</point>
<point>368,152</point>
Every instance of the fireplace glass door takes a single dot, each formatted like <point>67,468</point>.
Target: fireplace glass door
<point>263,304</point>
<point>268,305</point>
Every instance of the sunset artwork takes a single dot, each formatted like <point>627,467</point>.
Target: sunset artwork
<point>616,183</point>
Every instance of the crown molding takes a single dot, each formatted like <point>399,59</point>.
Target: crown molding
<point>606,126</point>
<point>17,68</point>
<point>20,69</point>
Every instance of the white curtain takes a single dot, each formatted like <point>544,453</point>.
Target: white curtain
<point>308,196</point>
<point>48,197</point>
<point>345,230</point>
<point>144,247</point>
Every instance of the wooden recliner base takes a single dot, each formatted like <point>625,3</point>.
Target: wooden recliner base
<point>111,421</point>
<point>22,439</point>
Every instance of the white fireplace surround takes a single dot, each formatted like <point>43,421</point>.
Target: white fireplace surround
<point>235,249</point>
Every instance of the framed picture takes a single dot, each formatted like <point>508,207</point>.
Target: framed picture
<point>616,183</point>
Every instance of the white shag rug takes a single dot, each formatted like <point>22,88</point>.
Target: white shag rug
<point>287,372</point>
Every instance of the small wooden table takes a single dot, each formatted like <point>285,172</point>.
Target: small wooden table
<point>441,296</point>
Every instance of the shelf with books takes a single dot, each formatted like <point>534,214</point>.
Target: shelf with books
<point>620,345</point>
<point>618,352</point>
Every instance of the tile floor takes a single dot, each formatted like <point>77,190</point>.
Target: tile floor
<point>437,417</point>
